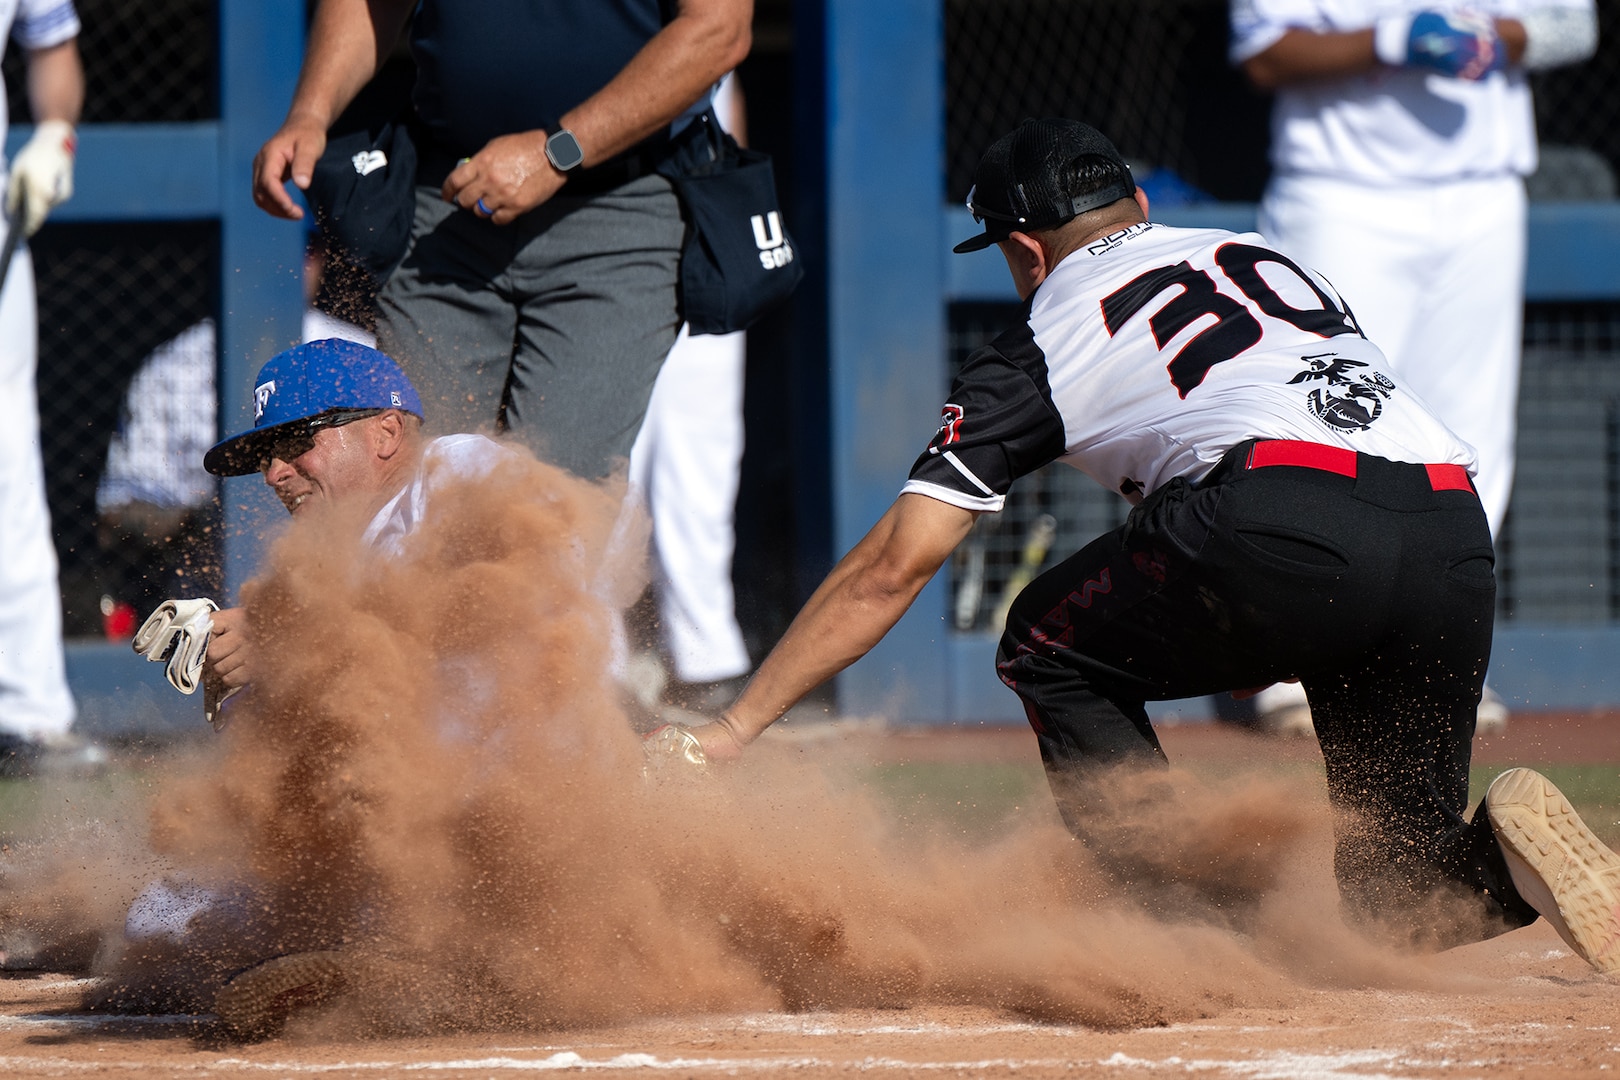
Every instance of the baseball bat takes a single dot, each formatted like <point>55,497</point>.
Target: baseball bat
<point>13,238</point>
<point>1036,545</point>
<point>970,583</point>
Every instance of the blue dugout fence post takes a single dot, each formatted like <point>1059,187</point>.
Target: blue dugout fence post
<point>202,172</point>
<point>261,258</point>
<point>884,144</point>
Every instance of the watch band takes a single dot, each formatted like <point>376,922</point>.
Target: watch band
<point>563,150</point>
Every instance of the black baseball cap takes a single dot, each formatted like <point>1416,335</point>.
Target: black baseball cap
<point>1019,185</point>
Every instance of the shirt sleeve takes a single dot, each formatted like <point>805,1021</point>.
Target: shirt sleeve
<point>41,24</point>
<point>997,426</point>
<point>1258,24</point>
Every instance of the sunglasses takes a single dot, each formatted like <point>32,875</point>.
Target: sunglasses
<point>981,213</point>
<point>296,440</point>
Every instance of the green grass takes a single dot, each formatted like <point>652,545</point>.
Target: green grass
<point>30,807</point>
<point>1593,789</point>
<point>974,800</point>
<point>961,798</point>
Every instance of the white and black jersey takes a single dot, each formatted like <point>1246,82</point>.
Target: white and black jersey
<point>1150,353</point>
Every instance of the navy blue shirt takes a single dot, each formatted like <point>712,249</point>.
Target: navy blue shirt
<point>495,67</point>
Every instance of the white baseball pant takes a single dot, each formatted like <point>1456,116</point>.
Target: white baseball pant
<point>34,697</point>
<point>1434,273</point>
<point>685,466</point>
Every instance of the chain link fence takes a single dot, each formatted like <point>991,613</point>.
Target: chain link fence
<point>1153,75</point>
<point>110,294</point>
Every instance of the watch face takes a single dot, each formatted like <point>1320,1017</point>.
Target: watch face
<point>563,150</point>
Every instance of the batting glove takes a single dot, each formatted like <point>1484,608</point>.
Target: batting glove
<point>1462,44</point>
<point>42,174</point>
<point>176,635</point>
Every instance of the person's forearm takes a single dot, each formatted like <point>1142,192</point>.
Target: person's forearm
<point>56,83</point>
<point>861,600</point>
<point>1304,56</point>
<point>841,623</point>
<point>348,42</point>
<point>670,72</point>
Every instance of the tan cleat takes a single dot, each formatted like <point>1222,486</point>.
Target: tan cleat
<point>255,1004</point>
<point>1564,871</point>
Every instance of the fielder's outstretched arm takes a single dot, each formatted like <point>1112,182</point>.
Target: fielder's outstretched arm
<point>863,597</point>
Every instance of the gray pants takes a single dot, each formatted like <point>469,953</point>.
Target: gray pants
<point>553,327</point>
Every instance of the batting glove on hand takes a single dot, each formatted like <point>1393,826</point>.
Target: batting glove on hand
<point>176,634</point>
<point>1462,44</point>
<point>42,174</point>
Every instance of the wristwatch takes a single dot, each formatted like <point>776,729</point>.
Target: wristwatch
<point>563,150</point>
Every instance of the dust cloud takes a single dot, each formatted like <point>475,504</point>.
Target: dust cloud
<point>434,774</point>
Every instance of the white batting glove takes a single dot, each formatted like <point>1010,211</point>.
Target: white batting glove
<point>42,173</point>
<point>177,634</point>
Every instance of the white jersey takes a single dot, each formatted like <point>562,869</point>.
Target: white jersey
<point>35,24</point>
<point>448,460</point>
<point>1152,352</point>
<point>1393,125</point>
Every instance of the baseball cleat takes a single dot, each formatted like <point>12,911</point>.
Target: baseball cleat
<point>255,1003</point>
<point>1564,871</point>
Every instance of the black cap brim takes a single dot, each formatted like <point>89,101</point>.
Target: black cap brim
<point>977,243</point>
<point>240,455</point>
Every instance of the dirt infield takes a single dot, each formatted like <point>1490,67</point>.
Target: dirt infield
<point>1518,1005</point>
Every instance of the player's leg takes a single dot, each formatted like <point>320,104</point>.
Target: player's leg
<point>446,315</point>
<point>1204,589</point>
<point>691,449</point>
<point>596,282</point>
<point>35,703</point>
<point>1462,358</point>
<point>1395,720</point>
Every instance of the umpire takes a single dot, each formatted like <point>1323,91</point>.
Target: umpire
<point>1298,513</point>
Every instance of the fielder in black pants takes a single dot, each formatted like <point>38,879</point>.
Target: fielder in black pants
<point>1299,513</point>
<point>1374,589</point>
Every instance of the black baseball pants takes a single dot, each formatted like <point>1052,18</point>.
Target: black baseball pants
<point>1368,580</point>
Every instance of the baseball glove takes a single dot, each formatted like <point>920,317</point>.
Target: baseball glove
<point>670,750</point>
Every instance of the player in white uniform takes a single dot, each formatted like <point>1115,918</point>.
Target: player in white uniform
<point>685,464</point>
<point>1299,512</point>
<point>36,709</point>
<point>1401,135</point>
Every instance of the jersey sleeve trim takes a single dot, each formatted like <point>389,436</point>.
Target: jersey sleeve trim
<point>990,504</point>
<point>37,28</point>
<point>967,473</point>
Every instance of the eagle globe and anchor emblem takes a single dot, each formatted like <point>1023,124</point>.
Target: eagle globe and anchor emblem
<point>1350,400</point>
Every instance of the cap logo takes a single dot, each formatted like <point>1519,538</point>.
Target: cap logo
<point>261,398</point>
<point>367,162</point>
<point>393,399</point>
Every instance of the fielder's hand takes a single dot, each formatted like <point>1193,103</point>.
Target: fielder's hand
<point>42,174</point>
<point>1462,44</point>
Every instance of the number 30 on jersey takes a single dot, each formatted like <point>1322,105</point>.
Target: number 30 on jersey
<point>1235,328</point>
